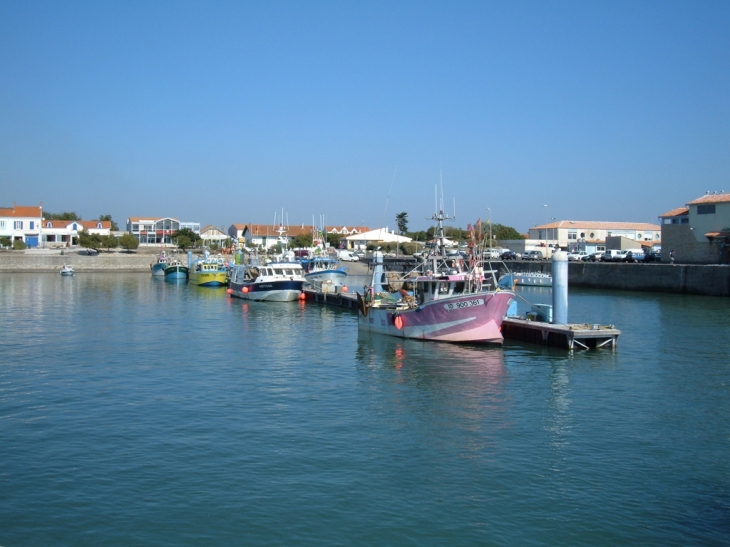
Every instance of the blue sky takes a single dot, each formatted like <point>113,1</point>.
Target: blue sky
<point>221,112</point>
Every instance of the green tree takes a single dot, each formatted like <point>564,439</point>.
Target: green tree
<point>19,245</point>
<point>89,241</point>
<point>109,218</point>
<point>334,240</point>
<point>401,219</point>
<point>128,242</point>
<point>5,241</point>
<point>302,240</point>
<point>61,216</point>
<point>109,242</point>
<point>185,238</point>
<point>505,232</point>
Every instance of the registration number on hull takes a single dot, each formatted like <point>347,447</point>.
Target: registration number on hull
<point>464,304</point>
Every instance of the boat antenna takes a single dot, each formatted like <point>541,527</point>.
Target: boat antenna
<point>388,198</point>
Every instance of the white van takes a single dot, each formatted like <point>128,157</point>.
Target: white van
<point>347,256</point>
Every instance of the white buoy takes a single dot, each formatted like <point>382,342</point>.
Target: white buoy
<point>560,288</point>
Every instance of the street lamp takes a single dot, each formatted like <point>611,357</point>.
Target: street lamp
<point>545,228</point>
<point>490,231</point>
<point>552,220</point>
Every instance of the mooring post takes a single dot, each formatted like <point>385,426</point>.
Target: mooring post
<point>560,288</point>
<point>378,272</point>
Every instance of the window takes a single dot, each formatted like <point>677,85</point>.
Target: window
<point>685,220</point>
<point>593,235</point>
<point>572,235</point>
<point>582,235</point>
<point>49,225</point>
<point>706,209</point>
<point>32,224</point>
<point>638,236</point>
<point>600,248</point>
<point>18,225</point>
<point>98,225</point>
<point>2,224</point>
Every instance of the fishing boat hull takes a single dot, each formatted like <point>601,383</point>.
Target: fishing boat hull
<point>67,271</point>
<point>158,269</point>
<point>208,279</point>
<point>472,318</point>
<point>176,272</point>
<point>268,291</point>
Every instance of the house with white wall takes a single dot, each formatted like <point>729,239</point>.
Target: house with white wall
<point>22,223</point>
<point>699,232</point>
<point>65,233</point>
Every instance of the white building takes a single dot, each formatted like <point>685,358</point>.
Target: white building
<point>158,231</point>
<point>22,223</point>
<point>581,235</point>
<point>373,237</point>
<point>65,233</point>
<point>699,233</point>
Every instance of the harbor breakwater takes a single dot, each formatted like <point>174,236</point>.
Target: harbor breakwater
<point>18,262</point>
<point>699,279</point>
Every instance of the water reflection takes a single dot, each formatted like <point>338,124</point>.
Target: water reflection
<point>442,386</point>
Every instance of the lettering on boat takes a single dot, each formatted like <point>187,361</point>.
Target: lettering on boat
<point>464,304</point>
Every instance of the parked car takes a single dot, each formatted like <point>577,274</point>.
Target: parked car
<point>593,257</point>
<point>634,256</point>
<point>652,256</point>
<point>532,255</point>
<point>490,253</point>
<point>508,255</point>
<point>577,255</point>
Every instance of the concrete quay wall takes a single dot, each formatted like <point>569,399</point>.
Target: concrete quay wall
<point>710,280</point>
<point>18,262</point>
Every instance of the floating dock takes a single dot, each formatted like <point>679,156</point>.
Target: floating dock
<point>570,336</point>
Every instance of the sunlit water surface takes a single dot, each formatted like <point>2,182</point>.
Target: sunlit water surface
<point>138,412</point>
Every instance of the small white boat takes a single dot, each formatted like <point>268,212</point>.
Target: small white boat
<point>67,270</point>
<point>531,279</point>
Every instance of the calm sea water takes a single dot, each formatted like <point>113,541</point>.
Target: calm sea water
<point>137,412</point>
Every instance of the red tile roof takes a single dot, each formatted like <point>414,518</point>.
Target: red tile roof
<point>722,197</point>
<point>678,212</point>
<point>32,211</point>
<point>598,225</point>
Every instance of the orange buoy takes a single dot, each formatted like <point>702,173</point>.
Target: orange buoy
<point>245,290</point>
<point>302,296</point>
<point>230,291</point>
<point>398,322</point>
<point>344,288</point>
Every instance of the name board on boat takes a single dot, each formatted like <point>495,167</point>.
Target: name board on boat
<point>464,304</point>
